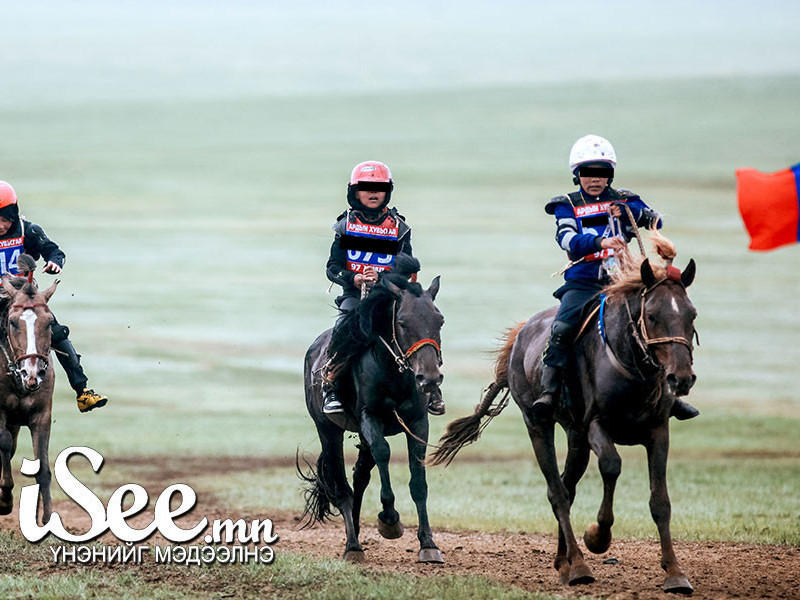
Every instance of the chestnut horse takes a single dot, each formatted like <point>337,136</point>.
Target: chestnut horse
<point>26,389</point>
<point>627,369</point>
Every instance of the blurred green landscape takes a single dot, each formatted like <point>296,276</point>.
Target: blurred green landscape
<point>190,160</point>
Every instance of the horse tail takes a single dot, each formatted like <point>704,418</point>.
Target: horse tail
<point>318,494</point>
<point>467,430</point>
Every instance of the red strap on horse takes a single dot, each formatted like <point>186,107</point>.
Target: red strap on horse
<point>418,345</point>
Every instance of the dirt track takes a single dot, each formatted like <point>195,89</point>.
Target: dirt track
<point>716,570</point>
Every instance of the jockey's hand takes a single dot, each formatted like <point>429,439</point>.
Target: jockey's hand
<point>369,275</point>
<point>615,210</point>
<point>52,267</point>
<point>615,243</point>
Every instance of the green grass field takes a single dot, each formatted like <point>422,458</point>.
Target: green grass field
<point>194,202</point>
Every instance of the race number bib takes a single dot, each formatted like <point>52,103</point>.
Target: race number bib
<point>370,245</point>
<point>9,253</point>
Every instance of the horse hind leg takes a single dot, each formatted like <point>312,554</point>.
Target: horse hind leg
<point>542,438</point>
<point>598,535</point>
<point>574,468</point>
<point>361,476</point>
<point>328,486</point>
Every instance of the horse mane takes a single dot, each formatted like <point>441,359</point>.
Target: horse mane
<point>372,317</point>
<point>628,279</point>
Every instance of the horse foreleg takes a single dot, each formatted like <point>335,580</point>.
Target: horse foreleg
<point>571,567</point>
<point>40,439</point>
<point>418,486</point>
<point>389,525</point>
<point>361,476</point>
<point>598,536</point>
<point>660,509</point>
<point>7,446</point>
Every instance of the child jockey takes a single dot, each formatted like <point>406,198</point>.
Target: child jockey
<point>586,235</point>
<point>17,235</point>
<point>369,235</point>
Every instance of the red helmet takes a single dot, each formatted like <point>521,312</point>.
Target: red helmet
<point>7,195</point>
<point>371,170</point>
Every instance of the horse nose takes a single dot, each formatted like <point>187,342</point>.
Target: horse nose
<point>428,382</point>
<point>681,385</point>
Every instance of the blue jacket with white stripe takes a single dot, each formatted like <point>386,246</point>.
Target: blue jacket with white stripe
<point>582,222</point>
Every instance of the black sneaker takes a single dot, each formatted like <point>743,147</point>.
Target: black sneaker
<point>683,411</point>
<point>331,404</point>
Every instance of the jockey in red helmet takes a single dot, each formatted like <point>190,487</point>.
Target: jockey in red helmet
<point>584,231</point>
<point>19,235</point>
<point>369,217</point>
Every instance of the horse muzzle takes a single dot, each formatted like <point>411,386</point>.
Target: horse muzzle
<point>681,385</point>
<point>429,383</point>
<point>32,372</point>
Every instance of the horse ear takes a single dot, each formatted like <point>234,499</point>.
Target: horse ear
<point>648,278</point>
<point>10,289</point>
<point>48,293</point>
<point>687,277</point>
<point>434,288</point>
<point>395,290</point>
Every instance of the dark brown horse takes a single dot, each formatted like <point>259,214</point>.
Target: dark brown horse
<point>624,381</point>
<point>389,349</point>
<point>26,389</point>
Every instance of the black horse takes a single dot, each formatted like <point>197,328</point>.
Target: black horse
<point>389,354</point>
<point>635,357</point>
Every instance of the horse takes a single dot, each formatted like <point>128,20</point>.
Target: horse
<point>626,370</point>
<point>26,389</point>
<point>390,349</point>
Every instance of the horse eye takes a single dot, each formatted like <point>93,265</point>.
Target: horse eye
<point>651,318</point>
<point>14,324</point>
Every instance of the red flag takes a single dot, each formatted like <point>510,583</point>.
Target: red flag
<point>770,206</point>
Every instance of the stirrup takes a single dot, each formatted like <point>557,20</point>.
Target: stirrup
<point>88,400</point>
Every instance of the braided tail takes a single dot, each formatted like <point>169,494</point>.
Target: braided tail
<point>466,430</point>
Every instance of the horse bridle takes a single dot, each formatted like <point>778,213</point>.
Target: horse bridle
<point>13,365</point>
<point>401,357</point>
<point>640,330</point>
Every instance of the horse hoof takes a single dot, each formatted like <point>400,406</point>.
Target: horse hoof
<point>5,509</point>
<point>391,532</point>
<point>430,555</point>
<point>563,575</point>
<point>580,574</point>
<point>678,584</point>
<point>596,539</point>
<point>354,556</point>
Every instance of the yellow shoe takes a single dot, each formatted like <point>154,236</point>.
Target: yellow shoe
<point>89,400</point>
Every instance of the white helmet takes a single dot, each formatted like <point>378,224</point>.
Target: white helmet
<point>591,148</point>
